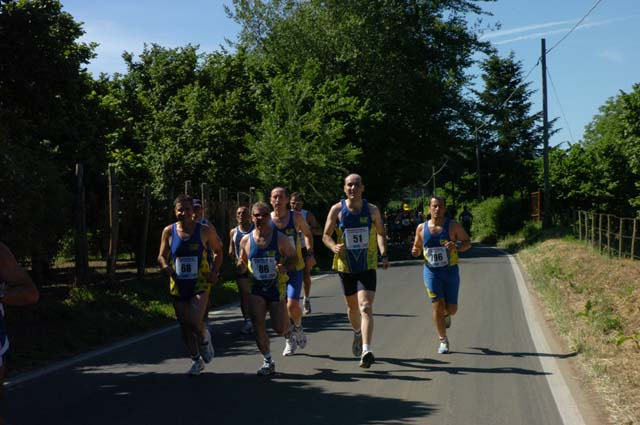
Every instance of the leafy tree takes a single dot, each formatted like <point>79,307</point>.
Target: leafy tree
<point>407,59</point>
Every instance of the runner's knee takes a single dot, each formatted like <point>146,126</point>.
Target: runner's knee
<point>365,308</point>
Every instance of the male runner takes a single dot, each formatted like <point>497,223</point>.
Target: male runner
<point>292,224</point>
<point>16,288</point>
<point>244,227</point>
<point>182,257</point>
<point>360,233</point>
<point>297,202</point>
<point>439,240</point>
<point>267,255</point>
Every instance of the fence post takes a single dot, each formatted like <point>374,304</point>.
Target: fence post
<point>633,239</point>
<point>142,257</point>
<point>609,235</point>
<point>593,230</point>
<point>114,197</point>
<point>187,187</point>
<point>620,239</point>
<point>600,233</point>
<point>81,248</point>
<point>579,225</point>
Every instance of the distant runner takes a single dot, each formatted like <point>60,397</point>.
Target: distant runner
<point>292,225</point>
<point>439,240</point>
<point>297,203</point>
<point>244,227</point>
<point>360,232</point>
<point>182,257</point>
<point>267,255</point>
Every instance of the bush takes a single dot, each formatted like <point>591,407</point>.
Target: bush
<point>494,218</point>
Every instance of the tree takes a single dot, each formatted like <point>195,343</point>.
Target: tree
<point>509,134</point>
<point>406,59</point>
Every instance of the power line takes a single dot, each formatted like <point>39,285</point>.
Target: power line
<point>555,94</point>
<point>575,26</point>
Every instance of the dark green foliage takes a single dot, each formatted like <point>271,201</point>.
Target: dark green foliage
<point>496,217</point>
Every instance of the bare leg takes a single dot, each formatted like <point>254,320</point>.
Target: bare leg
<point>258,311</point>
<point>243,288</point>
<point>294,310</point>
<point>365,303</point>
<point>189,314</point>
<point>439,311</point>
<point>353,311</point>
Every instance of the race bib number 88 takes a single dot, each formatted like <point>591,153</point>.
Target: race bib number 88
<point>187,267</point>
<point>437,257</point>
<point>263,268</point>
<point>356,238</point>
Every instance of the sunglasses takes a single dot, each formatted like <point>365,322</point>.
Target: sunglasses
<point>266,214</point>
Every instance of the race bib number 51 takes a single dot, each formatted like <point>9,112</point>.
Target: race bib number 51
<point>437,256</point>
<point>356,238</point>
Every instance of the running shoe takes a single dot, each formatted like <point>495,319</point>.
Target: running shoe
<point>197,367</point>
<point>444,346</point>
<point>356,346</point>
<point>300,337</point>
<point>268,368</point>
<point>367,360</point>
<point>290,345</point>
<point>206,348</point>
<point>307,306</point>
<point>447,321</point>
<point>247,328</point>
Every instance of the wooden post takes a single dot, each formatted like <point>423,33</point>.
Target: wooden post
<point>142,256</point>
<point>609,235</point>
<point>579,225</point>
<point>600,233</point>
<point>633,239</point>
<point>187,187</point>
<point>620,239</point>
<point>593,229</point>
<point>114,206</point>
<point>204,198</point>
<point>81,245</point>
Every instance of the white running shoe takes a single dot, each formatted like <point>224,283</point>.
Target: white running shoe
<point>290,345</point>
<point>367,360</point>
<point>206,348</point>
<point>197,367</point>
<point>268,368</point>
<point>447,321</point>
<point>300,337</point>
<point>444,346</point>
<point>356,346</point>
<point>247,328</point>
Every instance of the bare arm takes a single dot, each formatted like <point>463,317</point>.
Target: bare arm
<point>232,248</point>
<point>316,230</point>
<point>289,256</point>
<point>459,237</point>
<point>329,228</point>
<point>416,249</point>
<point>214,242</point>
<point>303,226</point>
<point>19,288</point>
<point>243,257</point>
<point>165,250</point>
<point>381,234</point>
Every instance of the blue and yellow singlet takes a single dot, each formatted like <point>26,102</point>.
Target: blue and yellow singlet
<point>433,249</point>
<point>359,235</point>
<point>291,232</point>
<point>189,262</point>
<point>262,266</point>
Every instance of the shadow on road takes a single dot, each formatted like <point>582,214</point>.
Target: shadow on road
<point>490,352</point>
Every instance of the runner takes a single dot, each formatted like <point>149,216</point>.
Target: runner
<point>291,224</point>
<point>439,239</point>
<point>16,288</point>
<point>244,227</point>
<point>360,233</point>
<point>466,218</point>
<point>297,202</point>
<point>267,255</point>
<point>182,257</point>
<point>198,216</point>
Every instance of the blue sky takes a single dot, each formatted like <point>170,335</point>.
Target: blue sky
<point>592,64</point>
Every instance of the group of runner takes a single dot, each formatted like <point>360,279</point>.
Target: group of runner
<point>273,250</point>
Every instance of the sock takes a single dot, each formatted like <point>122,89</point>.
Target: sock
<point>358,332</point>
<point>366,347</point>
<point>195,358</point>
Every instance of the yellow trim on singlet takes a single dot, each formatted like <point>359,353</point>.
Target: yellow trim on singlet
<point>340,263</point>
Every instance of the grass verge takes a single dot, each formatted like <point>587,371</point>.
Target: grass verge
<point>595,303</point>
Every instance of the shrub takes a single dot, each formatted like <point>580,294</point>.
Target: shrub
<point>494,218</point>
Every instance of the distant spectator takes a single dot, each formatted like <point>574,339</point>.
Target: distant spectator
<point>466,219</point>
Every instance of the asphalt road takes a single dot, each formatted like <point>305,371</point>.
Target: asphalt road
<point>493,375</point>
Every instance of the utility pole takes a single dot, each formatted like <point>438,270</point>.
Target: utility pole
<point>433,176</point>
<point>478,165</point>
<point>546,207</point>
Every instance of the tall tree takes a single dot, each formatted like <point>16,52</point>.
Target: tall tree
<point>510,135</point>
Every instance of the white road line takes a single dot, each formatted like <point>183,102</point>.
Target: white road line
<point>567,407</point>
<point>87,356</point>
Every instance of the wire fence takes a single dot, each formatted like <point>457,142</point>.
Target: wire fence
<point>611,235</point>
